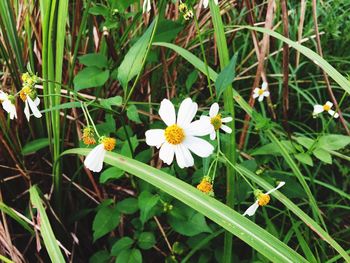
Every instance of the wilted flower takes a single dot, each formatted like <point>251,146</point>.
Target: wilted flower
<point>179,138</point>
<point>206,3</point>
<point>261,199</point>
<point>261,93</point>
<point>29,96</point>
<point>206,186</point>
<point>8,103</point>
<point>326,107</point>
<point>88,136</point>
<point>94,160</point>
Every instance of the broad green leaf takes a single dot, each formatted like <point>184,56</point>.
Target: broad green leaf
<point>147,202</point>
<point>167,30</point>
<point>304,141</point>
<point>146,240</point>
<point>113,101</point>
<point>226,76</point>
<point>333,142</point>
<point>122,244</point>
<point>106,219</point>
<point>90,77</point>
<point>111,173</point>
<point>34,146</point>
<point>94,59</point>
<point>133,60</point>
<point>272,148</point>
<point>99,10</point>
<point>304,158</point>
<point>101,256</point>
<point>126,151</point>
<point>129,256</point>
<point>128,206</point>
<point>191,79</point>
<point>224,216</point>
<point>132,114</point>
<point>323,155</point>
<point>46,232</point>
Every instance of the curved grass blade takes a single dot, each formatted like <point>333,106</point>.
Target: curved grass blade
<point>243,228</point>
<point>47,234</point>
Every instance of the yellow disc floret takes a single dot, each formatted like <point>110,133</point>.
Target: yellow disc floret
<point>263,199</point>
<point>205,186</point>
<point>108,143</point>
<point>326,107</point>
<point>88,136</point>
<point>216,122</point>
<point>261,91</point>
<point>25,91</point>
<point>174,134</point>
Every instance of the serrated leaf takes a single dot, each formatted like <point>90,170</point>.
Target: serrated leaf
<point>90,77</point>
<point>34,146</point>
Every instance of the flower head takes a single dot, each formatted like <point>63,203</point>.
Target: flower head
<point>206,3</point>
<point>29,96</point>
<point>94,160</point>
<point>29,79</point>
<point>326,107</point>
<point>262,92</point>
<point>206,186</point>
<point>217,121</point>
<point>262,199</point>
<point>88,136</point>
<point>180,136</point>
<point>8,103</point>
<point>187,13</point>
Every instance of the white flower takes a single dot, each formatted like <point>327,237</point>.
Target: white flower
<point>216,121</point>
<point>8,105</point>
<point>33,105</point>
<point>179,138</point>
<point>94,160</point>
<point>261,199</point>
<point>261,93</point>
<point>206,3</point>
<point>146,6</point>
<point>326,107</point>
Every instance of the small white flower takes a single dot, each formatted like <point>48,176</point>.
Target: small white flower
<point>217,121</point>
<point>179,138</point>
<point>261,93</point>
<point>326,107</point>
<point>33,105</point>
<point>8,105</point>
<point>94,160</point>
<point>146,6</point>
<point>206,3</point>
<point>261,199</point>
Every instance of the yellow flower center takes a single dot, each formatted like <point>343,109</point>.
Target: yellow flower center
<point>109,143</point>
<point>216,121</point>
<point>205,186</point>
<point>263,199</point>
<point>174,134</point>
<point>326,107</point>
<point>26,90</point>
<point>261,91</point>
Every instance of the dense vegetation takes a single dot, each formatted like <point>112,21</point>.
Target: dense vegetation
<point>160,131</point>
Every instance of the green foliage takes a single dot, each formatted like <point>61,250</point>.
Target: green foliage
<point>107,218</point>
<point>34,146</point>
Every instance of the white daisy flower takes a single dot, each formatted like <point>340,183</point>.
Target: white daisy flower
<point>25,94</point>
<point>206,3</point>
<point>180,137</point>
<point>8,105</point>
<point>326,107</point>
<point>261,93</point>
<point>217,121</point>
<point>94,160</point>
<point>261,199</point>
<point>146,6</point>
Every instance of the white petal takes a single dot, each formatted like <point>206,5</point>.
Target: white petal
<point>251,209</point>
<point>167,112</point>
<point>213,135</point>
<point>261,97</point>
<point>26,110</point>
<point>33,107</point>
<point>255,95</point>
<point>256,90</point>
<point>214,110</point>
<point>3,95</point>
<point>277,187</point>
<point>264,86</point>
<point>187,111</point>
<point>155,137</point>
<point>200,127</point>
<point>227,119</point>
<point>333,113</point>
<point>10,108</point>
<point>146,6</point>
<point>318,109</point>
<point>199,146</point>
<point>166,153</point>
<point>94,160</point>
<point>226,129</point>
<point>266,93</point>
<point>183,156</point>
<point>205,3</point>
<point>37,101</point>
<point>330,104</point>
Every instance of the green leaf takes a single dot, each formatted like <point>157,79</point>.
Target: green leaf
<point>94,59</point>
<point>304,141</point>
<point>133,60</point>
<point>99,10</point>
<point>226,76</point>
<point>122,244</point>
<point>129,256</point>
<point>304,158</point>
<point>333,142</point>
<point>128,206</point>
<point>323,155</point>
<point>113,101</point>
<point>111,173</point>
<point>46,232</point>
<point>132,114</point>
<point>146,240</point>
<point>90,77</point>
<point>272,148</point>
<point>146,203</point>
<point>106,219</point>
<point>167,30</point>
<point>34,146</point>
<point>126,151</point>
<point>191,79</point>
<point>101,256</point>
